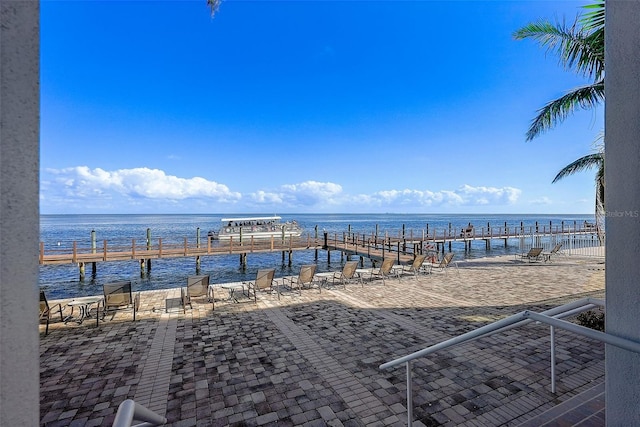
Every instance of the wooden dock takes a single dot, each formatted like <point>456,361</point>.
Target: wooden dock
<point>403,246</point>
<point>109,252</point>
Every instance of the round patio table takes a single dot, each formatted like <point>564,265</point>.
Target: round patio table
<point>84,307</point>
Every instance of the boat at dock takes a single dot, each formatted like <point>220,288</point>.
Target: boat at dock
<point>264,227</point>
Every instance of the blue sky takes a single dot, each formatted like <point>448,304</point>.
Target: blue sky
<point>305,106</point>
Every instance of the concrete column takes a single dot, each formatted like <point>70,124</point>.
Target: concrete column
<point>19,214</point>
<point>622,203</point>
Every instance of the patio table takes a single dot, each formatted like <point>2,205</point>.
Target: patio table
<point>231,287</point>
<point>84,307</point>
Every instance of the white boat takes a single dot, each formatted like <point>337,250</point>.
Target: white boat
<point>263,227</point>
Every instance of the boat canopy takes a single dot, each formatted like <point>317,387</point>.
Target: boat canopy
<point>258,218</point>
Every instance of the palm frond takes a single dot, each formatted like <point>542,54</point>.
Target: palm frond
<point>586,162</point>
<point>214,5</point>
<point>578,49</point>
<point>556,111</point>
<point>593,20</point>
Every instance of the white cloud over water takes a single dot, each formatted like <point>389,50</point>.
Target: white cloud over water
<point>543,201</point>
<point>145,189</point>
<point>83,182</point>
<point>304,194</point>
<point>464,196</point>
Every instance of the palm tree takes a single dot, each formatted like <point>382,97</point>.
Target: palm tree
<point>580,48</point>
<point>594,160</point>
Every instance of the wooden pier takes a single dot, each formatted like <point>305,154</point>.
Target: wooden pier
<point>402,246</point>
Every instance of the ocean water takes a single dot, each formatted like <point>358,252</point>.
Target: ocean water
<point>60,231</point>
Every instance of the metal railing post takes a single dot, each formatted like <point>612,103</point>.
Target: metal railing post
<point>553,359</point>
<point>409,396</point>
<point>550,317</point>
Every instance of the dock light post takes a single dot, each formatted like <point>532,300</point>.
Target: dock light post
<point>148,248</point>
<point>93,250</point>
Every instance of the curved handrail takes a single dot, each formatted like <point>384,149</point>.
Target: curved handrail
<point>551,317</point>
<point>130,411</point>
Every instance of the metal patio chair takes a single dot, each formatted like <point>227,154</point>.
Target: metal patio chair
<point>264,281</point>
<point>47,310</point>
<point>197,286</point>
<point>306,277</point>
<point>414,268</point>
<point>119,296</point>
<point>347,274</point>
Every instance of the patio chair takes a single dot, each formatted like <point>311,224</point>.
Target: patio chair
<point>556,250</point>
<point>384,271</point>
<point>264,281</point>
<point>47,310</point>
<point>347,273</point>
<point>305,277</point>
<point>197,286</point>
<point>534,254</point>
<point>441,266</point>
<point>467,232</point>
<point>415,267</point>
<point>118,296</point>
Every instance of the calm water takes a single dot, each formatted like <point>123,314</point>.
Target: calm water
<point>60,231</point>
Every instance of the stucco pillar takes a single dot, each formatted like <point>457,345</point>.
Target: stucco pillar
<point>19,214</point>
<point>622,203</point>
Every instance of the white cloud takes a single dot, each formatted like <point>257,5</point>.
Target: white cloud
<point>464,196</point>
<point>83,182</point>
<point>541,201</point>
<point>484,195</point>
<point>145,189</point>
<point>304,194</point>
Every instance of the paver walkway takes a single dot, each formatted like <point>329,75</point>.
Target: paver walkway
<point>313,359</point>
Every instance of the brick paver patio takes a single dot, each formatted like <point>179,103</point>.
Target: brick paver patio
<point>313,359</point>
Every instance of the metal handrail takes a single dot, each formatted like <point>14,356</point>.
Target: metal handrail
<point>130,411</point>
<point>551,317</point>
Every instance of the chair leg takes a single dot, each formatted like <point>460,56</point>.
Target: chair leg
<point>183,298</point>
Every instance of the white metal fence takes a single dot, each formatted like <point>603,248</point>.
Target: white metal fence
<point>579,243</point>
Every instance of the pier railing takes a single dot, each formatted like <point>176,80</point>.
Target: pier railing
<point>585,240</point>
<point>473,233</point>
<point>403,245</point>
<point>158,248</point>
